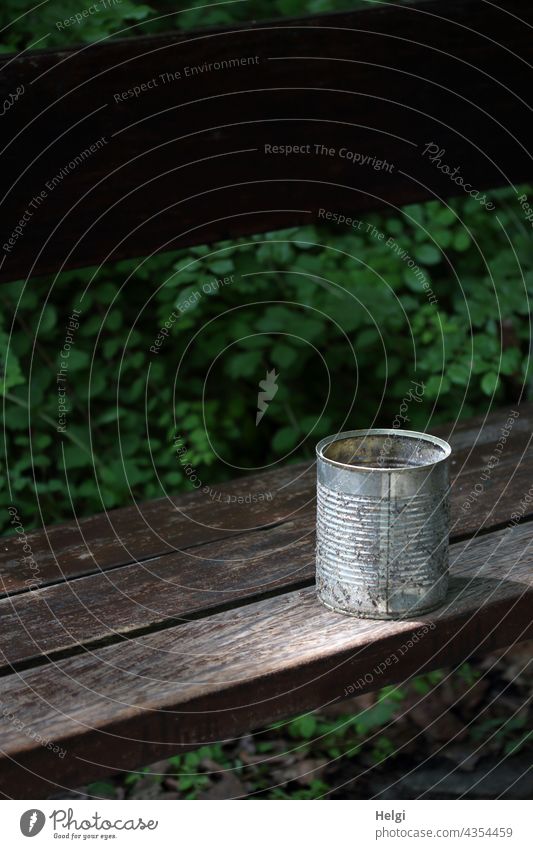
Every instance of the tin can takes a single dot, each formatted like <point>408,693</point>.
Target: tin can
<point>382,522</point>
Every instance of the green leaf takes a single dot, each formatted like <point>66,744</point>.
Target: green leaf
<point>283,356</point>
<point>10,370</point>
<point>459,373</point>
<point>77,359</point>
<point>428,254</point>
<point>77,458</point>
<point>436,386</point>
<point>510,361</point>
<point>445,216</point>
<point>303,727</point>
<point>221,266</point>
<point>48,319</point>
<point>490,382</point>
<point>284,439</point>
<point>442,237</point>
<point>244,364</point>
<point>102,789</point>
<point>461,241</point>
<point>367,338</point>
<point>114,320</point>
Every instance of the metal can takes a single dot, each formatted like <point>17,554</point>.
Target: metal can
<point>382,522</point>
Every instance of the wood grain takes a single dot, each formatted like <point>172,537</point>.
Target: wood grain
<point>70,616</point>
<point>170,526</point>
<point>184,162</point>
<point>154,528</point>
<point>111,606</point>
<point>117,706</point>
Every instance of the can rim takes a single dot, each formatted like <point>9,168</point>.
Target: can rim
<point>426,437</point>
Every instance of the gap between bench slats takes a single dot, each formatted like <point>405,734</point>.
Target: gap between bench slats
<point>109,606</point>
<point>356,78</point>
<point>158,528</point>
<point>121,705</point>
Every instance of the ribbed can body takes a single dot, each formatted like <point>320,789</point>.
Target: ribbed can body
<point>382,523</point>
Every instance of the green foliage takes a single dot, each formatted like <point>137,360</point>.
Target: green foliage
<point>423,684</point>
<point>306,757</point>
<point>50,25</point>
<point>102,790</point>
<point>133,778</point>
<point>512,733</point>
<point>187,768</point>
<point>348,734</point>
<point>315,790</point>
<point>312,302</point>
<point>23,27</point>
<point>469,675</point>
<point>382,749</point>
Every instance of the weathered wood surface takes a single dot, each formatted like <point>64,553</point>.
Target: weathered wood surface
<point>381,82</point>
<point>221,632</point>
<point>166,526</point>
<point>116,706</point>
<point>155,528</point>
<point>202,575</point>
<point>126,601</point>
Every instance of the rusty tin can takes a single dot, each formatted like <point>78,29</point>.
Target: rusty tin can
<point>382,522</point>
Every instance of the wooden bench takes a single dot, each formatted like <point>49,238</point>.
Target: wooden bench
<point>185,620</point>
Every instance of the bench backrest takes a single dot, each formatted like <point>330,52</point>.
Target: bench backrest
<point>129,147</point>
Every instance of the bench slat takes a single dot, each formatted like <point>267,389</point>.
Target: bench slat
<point>152,529</point>
<point>355,82</point>
<point>157,528</point>
<point>159,592</point>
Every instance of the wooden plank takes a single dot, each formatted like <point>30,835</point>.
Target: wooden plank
<point>477,510</point>
<point>167,526</point>
<point>91,172</point>
<point>487,426</point>
<point>70,617</point>
<point>151,529</point>
<point>119,706</point>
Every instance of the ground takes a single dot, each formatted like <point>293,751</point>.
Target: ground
<point>463,733</point>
